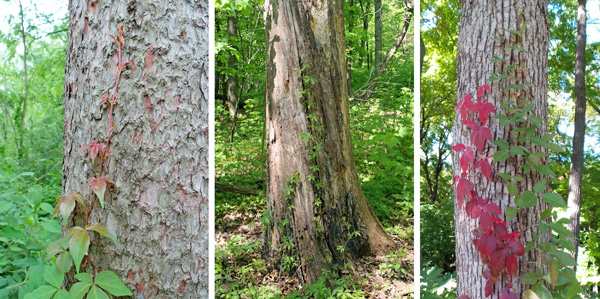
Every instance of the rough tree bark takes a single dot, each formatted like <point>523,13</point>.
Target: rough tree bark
<point>158,210</point>
<point>480,23</point>
<point>302,34</point>
<point>574,198</point>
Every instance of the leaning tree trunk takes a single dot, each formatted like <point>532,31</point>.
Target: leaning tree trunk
<point>314,201</point>
<point>480,23</point>
<point>158,210</point>
<point>574,199</point>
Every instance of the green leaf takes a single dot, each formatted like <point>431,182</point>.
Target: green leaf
<point>526,168</point>
<point>511,212</point>
<point>541,291</point>
<point>97,293</point>
<point>101,230</point>
<point>78,245</point>
<point>53,277</point>
<point>52,251</point>
<point>85,277</point>
<point>512,188</point>
<point>500,156</point>
<point>61,294</point>
<point>110,282</point>
<point>564,258</point>
<point>79,290</point>
<point>518,178</point>
<point>540,186</point>
<point>543,169</point>
<point>554,199</point>
<point>530,278</point>
<point>555,147</point>
<point>64,262</point>
<point>538,140</point>
<point>501,144</point>
<point>574,289</point>
<point>517,150</point>
<point>43,292</point>
<point>528,200</point>
<point>505,176</point>
<point>529,294</point>
<point>546,213</point>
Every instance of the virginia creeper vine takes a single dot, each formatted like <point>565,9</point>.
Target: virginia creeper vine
<point>73,247</point>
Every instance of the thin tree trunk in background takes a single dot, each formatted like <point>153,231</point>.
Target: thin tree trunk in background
<point>366,95</point>
<point>158,210</point>
<point>350,47</point>
<point>364,44</point>
<point>378,35</point>
<point>422,53</point>
<point>480,23</point>
<point>26,88</point>
<point>574,199</point>
<point>314,215</point>
<point>232,80</point>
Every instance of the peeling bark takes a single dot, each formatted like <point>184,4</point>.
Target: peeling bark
<point>480,23</point>
<point>302,34</point>
<point>158,210</point>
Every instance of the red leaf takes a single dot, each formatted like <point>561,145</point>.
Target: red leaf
<point>489,287</point>
<point>458,105</point>
<point>487,244</point>
<point>473,209</point>
<point>478,137</point>
<point>466,158</point>
<point>498,259</point>
<point>493,208</point>
<point>466,122</point>
<point>463,189</point>
<point>506,294</point>
<point>516,234</point>
<point>459,147</point>
<point>463,112</point>
<point>486,87</point>
<point>516,247</point>
<point>511,265</point>
<point>486,222</point>
<point>469,104</point>
<point>486,168</point>
<point>500,231</point>
<point>489,107</point>
<point>483,116</point>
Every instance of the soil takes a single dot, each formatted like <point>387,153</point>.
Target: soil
<point>371,275</point>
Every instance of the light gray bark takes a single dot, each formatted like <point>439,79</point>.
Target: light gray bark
<point>480,23</point>
<point>574,198</point>
<point>158,210</point>
<point>303,34</point>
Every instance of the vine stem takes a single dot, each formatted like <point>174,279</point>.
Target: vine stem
<point>113,100</point>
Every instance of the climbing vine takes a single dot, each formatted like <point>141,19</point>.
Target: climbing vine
<point>500,249</point>
<point>72,249</point>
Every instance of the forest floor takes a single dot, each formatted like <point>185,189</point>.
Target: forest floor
<point>238,239</point>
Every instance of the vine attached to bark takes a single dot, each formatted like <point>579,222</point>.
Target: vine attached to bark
<point>500,249</point>
<point>72,249</point>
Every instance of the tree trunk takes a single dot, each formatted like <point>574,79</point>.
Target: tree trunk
<point>574,199</point>
<point>480,23</point>
<point>313,192</point>
<point>232,80</point>
<point>378,35</point>
<point>26,88</point>
<point>158,210</point>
